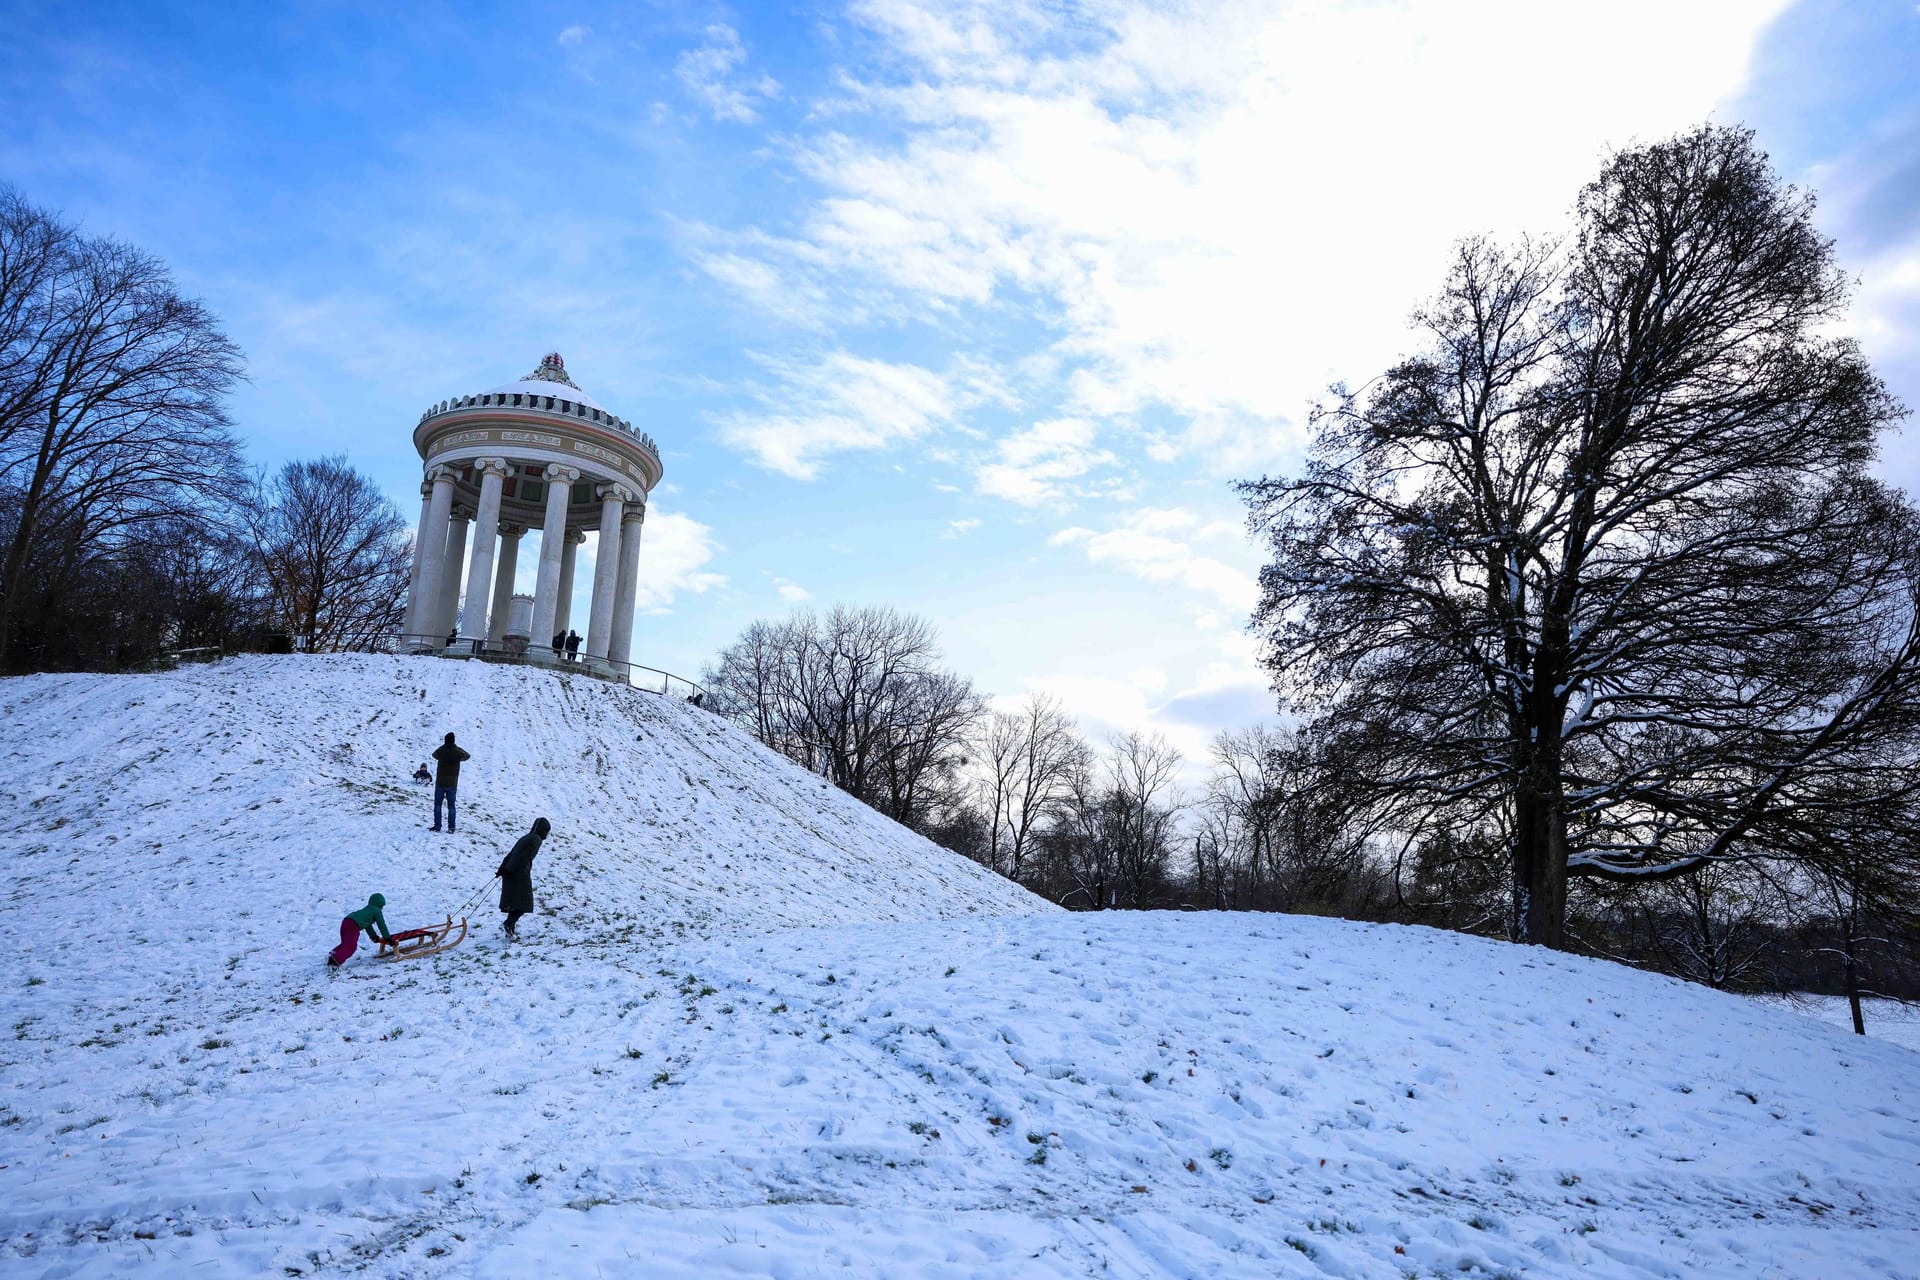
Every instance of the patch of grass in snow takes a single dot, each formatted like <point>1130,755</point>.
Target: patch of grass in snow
<point>65,1129</point>
<point>215,1042</point>
<point>1221,1157</point>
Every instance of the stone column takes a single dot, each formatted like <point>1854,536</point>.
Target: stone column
<point>424,613</point>
<point>606,567</point>
<point>444,614</point>
<point>563,607</point>
<point>473,618</point>
<point>503,575</point>
<point>419,558</point>
<point>627,584</point>
<point>548,616</point>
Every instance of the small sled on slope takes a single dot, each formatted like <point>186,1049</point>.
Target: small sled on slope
<point>410,944</point>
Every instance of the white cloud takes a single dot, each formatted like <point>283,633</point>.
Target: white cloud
<point>1223,207</point>
<point>1034,467</point>
<point>791,592</point>
<point>673,552</point>
<point>763,278</point>
<point>1228,692</point>
<point>835,403</point>
<point>960,528</point>
<point>1143,545</point>
<point>571,36</point>
<point>707,74</point>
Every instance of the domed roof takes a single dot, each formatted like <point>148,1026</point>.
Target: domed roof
<point>550,379</point>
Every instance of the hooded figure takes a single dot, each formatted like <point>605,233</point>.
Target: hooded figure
<point>516,874</point>
<point>371,919</point>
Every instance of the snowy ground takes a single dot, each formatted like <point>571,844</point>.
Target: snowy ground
<point>942,1078</point>
<point>1886,1019</point>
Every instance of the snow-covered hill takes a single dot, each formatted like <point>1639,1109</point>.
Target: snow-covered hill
<point>233,806</point>
<point>756,1032</point>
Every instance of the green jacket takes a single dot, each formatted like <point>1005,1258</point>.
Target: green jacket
<point>369,916</point>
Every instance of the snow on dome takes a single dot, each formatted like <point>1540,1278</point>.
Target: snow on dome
<point>550,379</point>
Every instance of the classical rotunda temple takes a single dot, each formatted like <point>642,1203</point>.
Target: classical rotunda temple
<point>537,454</point>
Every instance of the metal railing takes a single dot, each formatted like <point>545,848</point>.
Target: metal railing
<point>516,652</point>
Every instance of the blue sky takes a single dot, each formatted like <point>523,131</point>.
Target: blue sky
<point>975,310</point>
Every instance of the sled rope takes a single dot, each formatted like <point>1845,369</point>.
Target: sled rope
<point>462,908</point>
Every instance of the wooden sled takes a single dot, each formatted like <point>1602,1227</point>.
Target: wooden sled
<point>409,944</point>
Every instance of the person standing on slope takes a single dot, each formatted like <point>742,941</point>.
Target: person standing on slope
<point>446,778</point>
<point>371,919</point>
<point>516,875</point>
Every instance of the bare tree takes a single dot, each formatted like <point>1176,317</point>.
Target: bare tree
<point>1603,567</point>
<point>111,388</point>
<point>1143,801</point>
<point>1852,865</point>
<point>334,554</point>
<point>1717,926</point>
<point>1026,760</point>
<point>858,697</point>
<point>1287,835</point>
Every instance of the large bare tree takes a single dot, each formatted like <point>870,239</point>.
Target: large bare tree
<point>111,392</point>
<point>333,553</point>
<point>859,697</point>
<point>1602,566</point>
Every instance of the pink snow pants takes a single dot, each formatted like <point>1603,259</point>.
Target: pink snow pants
<point>349,940</point>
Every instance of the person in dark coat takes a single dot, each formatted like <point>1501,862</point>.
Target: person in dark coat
<point>516,875</point>
<point>559,642</point>
<point>446,778</point>
<point>573,646</point>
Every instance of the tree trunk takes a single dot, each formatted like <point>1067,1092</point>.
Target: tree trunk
<point>1540,853</point>
<point>1852,971</point>
<point>16,565</point>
